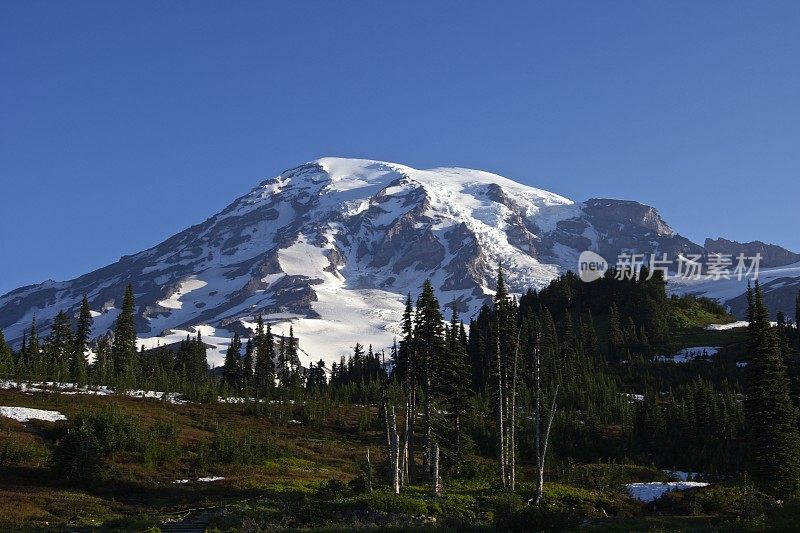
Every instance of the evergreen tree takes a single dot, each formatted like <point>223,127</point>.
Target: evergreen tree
<point>123,350</point>
<point>264,372</point>
<point>771,420</point>
<point>6,357</point>
<point>79,365</point>
<point>455,382</point>
<point>429,346</point>
<point>58,347</point>
<point>248,364</point>
<point>33,353</point>
<point>402,364</point>
<point>616,336</point>
<point>232,369</point>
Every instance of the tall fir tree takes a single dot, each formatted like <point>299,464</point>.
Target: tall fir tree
<point>58,348</point>
<point>6,357</point>
<point>429,347</point>
<point>232,369</point>
<point>617,347</point>
<point>33,353</point>
<point>774,442</point>
<point>455,384</point>
<point>79,365</point>
<point>123,350</point>
<point>264,372</point>
<point>248,364</point>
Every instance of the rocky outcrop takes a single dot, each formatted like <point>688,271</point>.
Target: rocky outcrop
<point>772,255</point>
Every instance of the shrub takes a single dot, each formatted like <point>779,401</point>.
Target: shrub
<point>78,454</point>
<point>230,447</point>
<point>386,502</point>
<point>160,444</point>
<point>544,517</point>
<point>16,451</point>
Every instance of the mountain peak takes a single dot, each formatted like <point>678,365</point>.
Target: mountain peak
<point>333,246</point>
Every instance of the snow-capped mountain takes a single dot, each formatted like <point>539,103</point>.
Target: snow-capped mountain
<point>334,245</point>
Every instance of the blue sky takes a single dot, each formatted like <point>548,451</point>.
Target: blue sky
<point>122,123</point>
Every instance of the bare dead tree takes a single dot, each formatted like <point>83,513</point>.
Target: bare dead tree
<point>393,455</point>
<point>539,440</point>
<point>403,461</point>
<point>369,472</point>
<point>512,423</point>
<point>385,405</point>
<point>543,455</point>
<point>437,481</point>
<point>502,413</point>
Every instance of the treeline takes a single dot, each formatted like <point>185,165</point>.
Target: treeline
<point>586,349</point>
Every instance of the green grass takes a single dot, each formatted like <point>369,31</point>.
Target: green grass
<point>289,478</point>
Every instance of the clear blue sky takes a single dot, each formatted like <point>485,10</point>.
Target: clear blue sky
<point>124,122</point>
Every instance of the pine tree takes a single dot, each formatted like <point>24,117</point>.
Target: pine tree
<point>616,336</point>
<point>402,364</point>
<point>6,357</point>
<point>232,369</point>
<point>264,372</point>
<point>33,353</point>
<point>123,351</point>
<point>772,431</point>
<point>429,347</point>
<point>248,364</point>
<point>455,379</point>
<point>79,365</point>
<point>58,347</point>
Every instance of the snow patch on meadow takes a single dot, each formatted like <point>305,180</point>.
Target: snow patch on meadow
<point>650,492</point>
<point>25,414</point>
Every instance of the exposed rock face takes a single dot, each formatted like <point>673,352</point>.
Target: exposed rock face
<point>613,227</point>
<point>772,255</point>
<point>335,245</point>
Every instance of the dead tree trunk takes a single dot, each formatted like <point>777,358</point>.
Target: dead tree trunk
<point>412,466</point>
<point>394,469</point>
<point>385,405</point>
<point>403,461</point>
<point>500,404</point>
<point>369,472</point>
<point>513,424</point>
<point>426,459</point>
<point>541,443</point>
<point>543,455</point>
<point>437,482</point>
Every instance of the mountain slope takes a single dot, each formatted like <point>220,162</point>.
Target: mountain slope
<point>334,245</point>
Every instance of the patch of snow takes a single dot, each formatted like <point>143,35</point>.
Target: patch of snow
<point>25,414</point>
<point>702,353</point>
<point>649,492</point>
<point>186,286</point>
<point>730,325</point>
<point>210,479</point>
<point>634,397</point>
<point>72,388</point>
